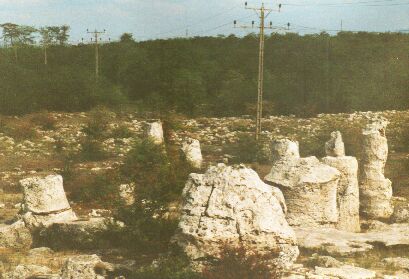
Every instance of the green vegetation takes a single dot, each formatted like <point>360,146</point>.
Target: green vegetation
<point>304,75</point>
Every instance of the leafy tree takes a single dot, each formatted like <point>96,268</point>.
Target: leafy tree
<point>126,38</point>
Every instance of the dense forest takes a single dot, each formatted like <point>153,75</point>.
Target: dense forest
<point>213,76</point>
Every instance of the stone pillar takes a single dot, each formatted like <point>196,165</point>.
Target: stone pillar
<point>348,189</point>
<point>232,205</point>
<point>154,131</point>
<point>309,186</point>
<point>45,201</point>
<point>375,189</point>
<point>192,153</point>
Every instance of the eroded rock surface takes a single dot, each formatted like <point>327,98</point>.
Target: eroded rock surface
<point>192,153</point>
<point>232,205</point>
<point>85,267</point>
<point>30,271</point>
<point>348,187</point>
<point>335,146</point>
<point>375,189</point>
<point>309,186</point>
<point>16,235</point>
<point>341,243</point>
<point>154,131</point>
<point>346,272</point>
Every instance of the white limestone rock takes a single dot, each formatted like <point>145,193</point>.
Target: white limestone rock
<point>16,235</point>
<point>29,271</point>
<point>346,272</point>
<point>127,193</point>
<point>309,186</point>
<point>397,263</point>
<point>44,195</point>
<point>375,189</point>
<point>230,204</point>
<point>348,186</point>
<point>335,146</point>
<point>400,214</point>
<point>192,153</point>
<point>45,201</point>
<point>285,149</point>
<point>85,267</point>
<point>341,243</point>
<point>154,131</point>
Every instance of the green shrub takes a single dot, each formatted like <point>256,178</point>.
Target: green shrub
<point>100,189</point>
<point>159,177</point>
<point>121,131</point>
<point>97,124</point>
<point>172,266</point>
<point>248,150</point>
<point>91,150</point>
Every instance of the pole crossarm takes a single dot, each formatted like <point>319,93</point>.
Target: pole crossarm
<point>262,13</point>
<point>96,34</point>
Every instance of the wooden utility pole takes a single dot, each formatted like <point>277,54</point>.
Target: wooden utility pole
<point>96,34</point>
<point>262,13</point>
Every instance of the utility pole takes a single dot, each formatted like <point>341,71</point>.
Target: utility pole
<point>262,13</point>
<point>96,34</point>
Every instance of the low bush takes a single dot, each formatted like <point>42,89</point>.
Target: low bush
<point>91,150</point>
<point>101,189</point>
<point>172,266</point>
<point>248,150</point>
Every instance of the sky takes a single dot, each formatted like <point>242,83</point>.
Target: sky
<point>154,19</point>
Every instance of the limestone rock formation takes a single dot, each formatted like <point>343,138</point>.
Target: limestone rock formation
<point>15,235</point>
<point>335,146</point>
<point>45,201</point>
<point>154,131</point>
<point>230,204</point>
<point>375,189</point>
<point>341,243</point>
<point>192,153</point>
<point>309,186</point>
<point>345,272</point>
<point>285,149</point>
<point>29,271</point>
<point>400,214</point>
<point>348,187</point>
<point>127,193</point>
<point>85,267</point>
<point>44,195</point>
<point>81,233</point>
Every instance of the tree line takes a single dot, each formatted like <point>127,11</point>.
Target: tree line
<point>212,76</point>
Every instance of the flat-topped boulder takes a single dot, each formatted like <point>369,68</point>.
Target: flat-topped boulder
<point>44,195</point>
<point>45,201</point>
<point>341,243</point>
<point>230,205</point>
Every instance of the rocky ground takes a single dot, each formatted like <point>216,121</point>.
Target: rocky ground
<point>43,143</point>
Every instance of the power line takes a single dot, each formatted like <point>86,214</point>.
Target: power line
<point>262,13</point>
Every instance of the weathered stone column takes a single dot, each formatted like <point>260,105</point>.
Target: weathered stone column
<point>154,131</point>
<point>375,189</point>
<point>309,186</point>
<point>45,201</point>
<point>192,153</point>
<point>232,205</point>
<point>348,189</point>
